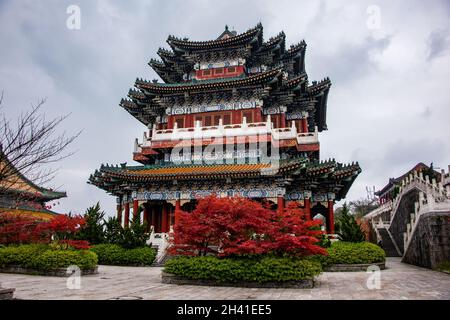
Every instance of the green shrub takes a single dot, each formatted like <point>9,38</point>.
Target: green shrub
<point>21,255</point>
<point>54,259</point>
<point>113,254</point>
<point>342,252</point>
<point>263,269</point>
<point>42,257</point>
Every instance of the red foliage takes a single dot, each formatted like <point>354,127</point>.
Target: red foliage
<point>61,227</point>
<point>293,233</point>
<point>17,229</point>
<point>20,229</point>
<point>239,226</point>
<point>76,244</point>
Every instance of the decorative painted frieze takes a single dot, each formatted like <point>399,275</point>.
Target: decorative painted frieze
<point>296,115</point>
<point>234,105</point>
<point>194,194</point>
<point>257,69</point>
<point>219,64</point>
<point>274,110</point>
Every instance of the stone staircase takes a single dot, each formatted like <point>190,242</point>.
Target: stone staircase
<point>422,198</point>
<point>388,244</point>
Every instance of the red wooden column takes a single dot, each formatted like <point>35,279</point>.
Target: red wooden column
<point>308,208</point>
<point>283,120</point>
<point>135,208</point>
<point>164,218</point>
<point>177,211</point>
<point>126,221</point>
<point>304,125</point>
<point>154,217</point>
<point>119,213</point>
<point>280,203</point>
<point>145,218</point>
<point>170,213</point>
<point>330,220</point>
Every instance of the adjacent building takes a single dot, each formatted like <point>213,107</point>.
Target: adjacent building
<point>19,195</point>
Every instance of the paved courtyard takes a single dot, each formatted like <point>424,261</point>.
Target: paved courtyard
<point>398,281</point>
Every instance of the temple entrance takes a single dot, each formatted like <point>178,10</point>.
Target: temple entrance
<point>159,214</point>
<point>319,211</point>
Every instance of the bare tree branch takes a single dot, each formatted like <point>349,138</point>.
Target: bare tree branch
<point>29,144</point>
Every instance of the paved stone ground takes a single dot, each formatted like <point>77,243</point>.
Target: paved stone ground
<point>398,281</point>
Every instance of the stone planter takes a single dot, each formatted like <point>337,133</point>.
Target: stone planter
<point>353,267</point>
<point>6,293</point>
<point>169,278</point>
<point>61,272</point>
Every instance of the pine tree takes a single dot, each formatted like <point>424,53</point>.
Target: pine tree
<point>93,230</point>
<point>349,229</point>
<point>113,231</point>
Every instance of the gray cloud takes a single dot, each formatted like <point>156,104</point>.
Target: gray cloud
<point>439,44</point>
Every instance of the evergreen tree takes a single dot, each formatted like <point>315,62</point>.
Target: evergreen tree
<point>93,230</point>
<point>113,231</point>
<point>136,235</point>
<point>349,229</point>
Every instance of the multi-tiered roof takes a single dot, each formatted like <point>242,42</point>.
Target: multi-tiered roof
<point>275,74</point>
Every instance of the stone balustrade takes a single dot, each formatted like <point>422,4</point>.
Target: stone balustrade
<point>231,130</point>
<point>427,203</point>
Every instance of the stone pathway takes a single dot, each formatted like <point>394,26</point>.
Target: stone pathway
<point>398,281</point>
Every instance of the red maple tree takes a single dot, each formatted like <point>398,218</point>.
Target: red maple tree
<point>239,226</point>
<point>22,229</point>
<point>17,228</point>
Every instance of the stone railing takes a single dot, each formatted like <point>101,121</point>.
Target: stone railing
<point>223,131</point>
<point>426,204</point>
<point>387,206</point>
<point>416,180</point>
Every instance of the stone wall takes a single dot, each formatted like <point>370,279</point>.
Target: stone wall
<point>403,217</point>
<point>430,243</point>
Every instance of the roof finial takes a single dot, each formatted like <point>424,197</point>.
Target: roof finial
<point>226,27</point>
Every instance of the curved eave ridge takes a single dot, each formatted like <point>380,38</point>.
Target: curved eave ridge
<point>330,166</point>
<point>116,175</point>
<point>207,84</point>
<point>294,82</point>
<point>294,48</point>
<point>165,54</point>
<point>319,87</point>
<point>275,42</point>
<point>243,38</point>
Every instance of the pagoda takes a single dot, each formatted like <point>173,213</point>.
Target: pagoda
<point>235,116</point>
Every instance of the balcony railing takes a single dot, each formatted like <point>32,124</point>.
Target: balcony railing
<point>228,130</point>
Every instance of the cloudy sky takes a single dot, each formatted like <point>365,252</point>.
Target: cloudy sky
<point>389,62</point>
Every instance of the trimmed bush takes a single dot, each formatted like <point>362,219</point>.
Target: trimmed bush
<point>113,254</point>
<point>264,269</point>
<point>342,252</point>
<point>54,259</point>
<point>42,257</point>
